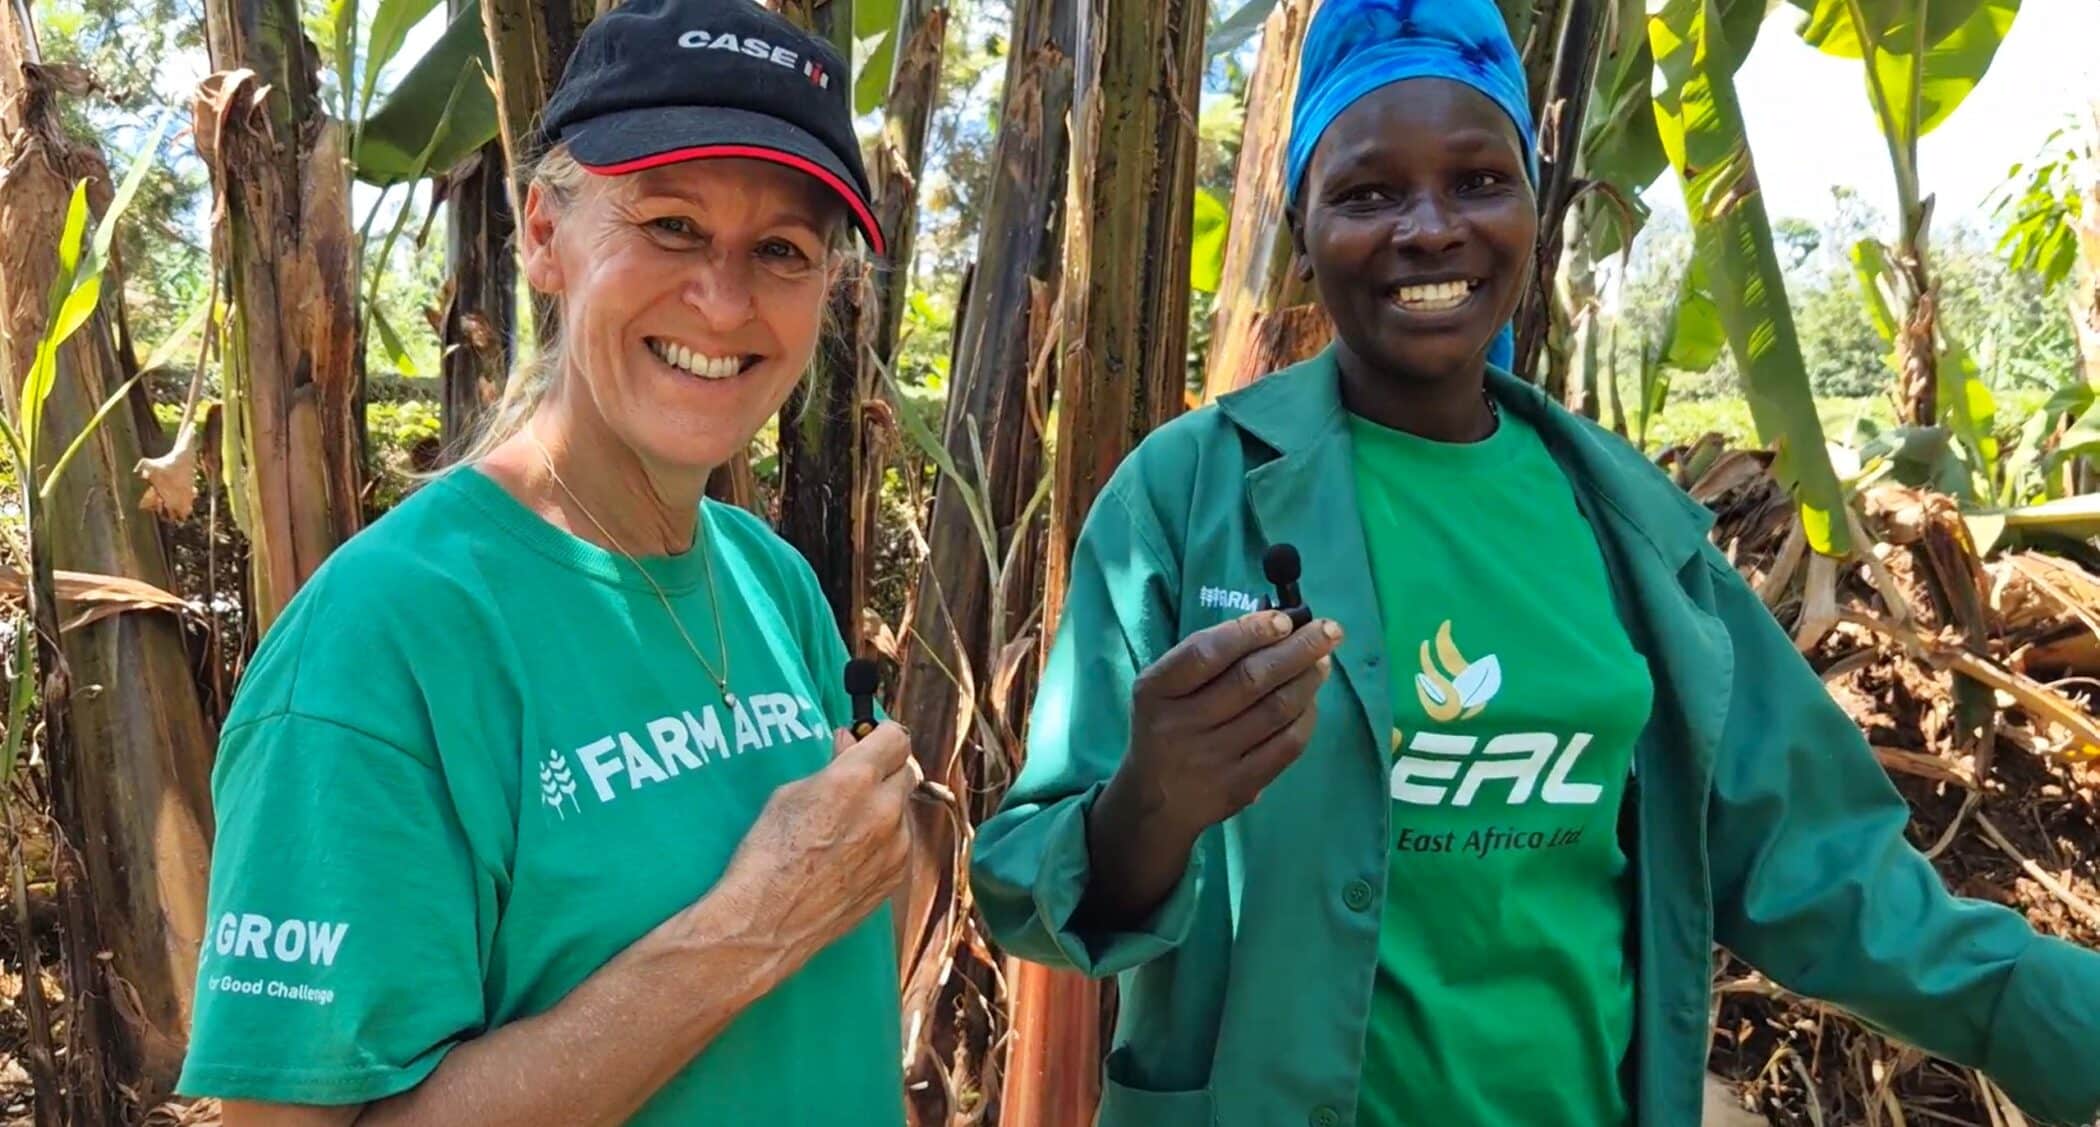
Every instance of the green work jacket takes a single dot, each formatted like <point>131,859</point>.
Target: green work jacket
<point>1756,816</point>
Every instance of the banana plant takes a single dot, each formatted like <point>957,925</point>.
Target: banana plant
<point>1700,125</point>
<point>1920,60</point>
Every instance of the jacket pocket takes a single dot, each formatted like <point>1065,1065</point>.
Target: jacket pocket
<point>1124,1106</point>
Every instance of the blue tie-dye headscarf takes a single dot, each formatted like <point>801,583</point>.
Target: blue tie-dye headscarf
<point>1356,46</point>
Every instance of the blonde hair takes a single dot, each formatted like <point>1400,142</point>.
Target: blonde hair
<point>562,181</point>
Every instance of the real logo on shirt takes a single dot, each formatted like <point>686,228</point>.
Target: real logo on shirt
<point>1432,768</point>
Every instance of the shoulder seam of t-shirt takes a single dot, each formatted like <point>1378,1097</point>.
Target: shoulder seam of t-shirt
<point>1148,535</point>
<point>1156,560</point>
<point>289,713</point>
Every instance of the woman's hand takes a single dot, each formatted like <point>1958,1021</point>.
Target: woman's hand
<point>829,848</point>
<point>1221,715</point>
<point>1212,724</point>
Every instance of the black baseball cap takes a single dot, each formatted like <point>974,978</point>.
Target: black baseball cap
<point>655,82</point>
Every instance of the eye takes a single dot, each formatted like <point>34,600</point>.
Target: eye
<point>677,226</point>
<point>1481,180</point>
<point>1359,194</point>
<point>782,252</point>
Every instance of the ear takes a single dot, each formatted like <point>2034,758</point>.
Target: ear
<point>536,243</point>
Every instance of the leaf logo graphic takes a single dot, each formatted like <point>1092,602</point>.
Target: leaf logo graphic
<point>557,784</point>
<point>1460,688</point>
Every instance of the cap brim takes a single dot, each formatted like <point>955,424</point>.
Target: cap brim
<point>633,140</point>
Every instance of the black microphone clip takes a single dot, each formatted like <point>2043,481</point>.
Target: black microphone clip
<point>1281,564</point>
<point>862,680</point>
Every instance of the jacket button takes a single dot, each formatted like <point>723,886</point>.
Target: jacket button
<point>1358,896</point>
<point>1324,1117</point>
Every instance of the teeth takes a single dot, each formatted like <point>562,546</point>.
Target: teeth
<point>706,367</point>
<point>1433,297</point>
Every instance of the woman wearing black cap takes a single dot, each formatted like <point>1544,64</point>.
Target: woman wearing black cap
<point>535,806</point>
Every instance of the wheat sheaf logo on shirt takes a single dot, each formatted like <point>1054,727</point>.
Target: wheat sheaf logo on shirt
<point>558,784</point>
<point>1451,687</point>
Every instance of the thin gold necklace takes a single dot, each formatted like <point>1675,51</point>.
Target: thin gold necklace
<point>707,561</point>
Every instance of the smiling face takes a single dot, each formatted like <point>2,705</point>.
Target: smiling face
<point>1419,226</point>
<point>692,298</point>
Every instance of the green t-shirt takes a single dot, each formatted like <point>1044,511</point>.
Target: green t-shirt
<point>472,763</point>
<point>1503,992</point>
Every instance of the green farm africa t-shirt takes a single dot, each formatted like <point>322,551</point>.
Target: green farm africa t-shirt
<point>474,761</point>
<point>1503,992</point>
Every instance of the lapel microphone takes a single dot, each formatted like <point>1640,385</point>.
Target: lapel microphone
<point>1280,563</point>
<point>862,680</point>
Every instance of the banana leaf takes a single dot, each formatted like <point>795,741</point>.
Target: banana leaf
<point>1619,141</point>
<point>1971,411</point>
<point>390,27</point>
<point>1696,335</point>
<point>1870,264</point>
<point>1207,244</point>
<point>1701,127</point>
<point>875,39</point>
<point>1927,55</point>
<point>420,117</point>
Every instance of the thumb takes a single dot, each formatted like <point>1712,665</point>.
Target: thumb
<point>841,739</point>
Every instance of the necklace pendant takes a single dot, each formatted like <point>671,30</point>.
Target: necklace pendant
<point>729,699</point>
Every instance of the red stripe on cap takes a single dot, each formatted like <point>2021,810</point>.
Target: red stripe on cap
<point>831,180</point>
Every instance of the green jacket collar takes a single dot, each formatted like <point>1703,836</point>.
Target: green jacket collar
<point>1299,410</point>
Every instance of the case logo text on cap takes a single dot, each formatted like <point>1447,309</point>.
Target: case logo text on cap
<point>754,47</point>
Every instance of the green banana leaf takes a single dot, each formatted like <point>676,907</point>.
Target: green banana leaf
<point>390,27</point>
<point>1619,141</point>
<point>1971,411</point>
<point>875,40</point>
<point>1207,247</point>
<point>414,119</point>
<point>1870,264</point>
<point>1928,55</point>
<point>1696,335</point>
<point>2076,517</point>
<point>1701,127</point>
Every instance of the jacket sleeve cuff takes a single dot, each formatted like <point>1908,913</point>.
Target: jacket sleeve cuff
<point>2045,1034</point>
<point>1062,880</point>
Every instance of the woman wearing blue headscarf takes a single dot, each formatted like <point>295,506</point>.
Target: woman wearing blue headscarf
<point>1456,851</point>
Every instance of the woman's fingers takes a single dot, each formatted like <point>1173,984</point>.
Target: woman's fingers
<point>1262,673</point>
<point>884,751</point>
<point>1268,759</point>
<point>1273,712</point>
<point>1204,656</point>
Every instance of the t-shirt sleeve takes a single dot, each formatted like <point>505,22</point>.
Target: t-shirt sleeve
<point>342,957</point>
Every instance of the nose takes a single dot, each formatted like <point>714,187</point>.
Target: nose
<point>1425,225</point>
<point>719,290</point>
